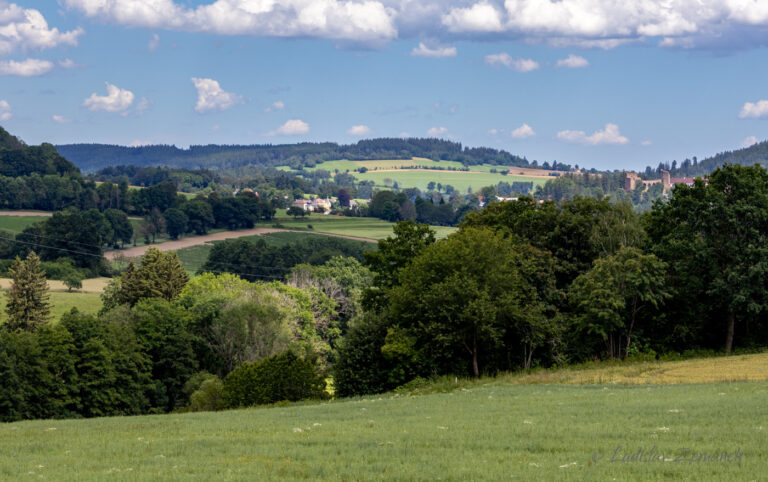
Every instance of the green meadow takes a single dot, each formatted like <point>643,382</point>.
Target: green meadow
<point>16,224</point>
<point>460,180</point>
<point>495,431</point>
<point>370,228</point>
<point>63,302</point>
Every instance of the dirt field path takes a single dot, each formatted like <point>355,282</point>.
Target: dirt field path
<point>198,240</point>
<point>41,214</point>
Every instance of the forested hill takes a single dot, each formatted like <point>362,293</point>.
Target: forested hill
<point>91,157</point>
<point>18,159</point>
<point>754,154</point>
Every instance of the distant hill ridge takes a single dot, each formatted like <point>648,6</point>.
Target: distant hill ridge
<point>90,157</point>
<point>748,156</point>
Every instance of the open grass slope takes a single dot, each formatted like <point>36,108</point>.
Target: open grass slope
<point>384,173</point>
<point>461,181</point>
<point>371,228</point>
<point>17,224</point>
<point>740,368</point>
<point>86,300</point>
<point>495,430</point>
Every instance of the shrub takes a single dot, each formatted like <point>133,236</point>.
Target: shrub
<point>209,397</point>
<point>283,377</point>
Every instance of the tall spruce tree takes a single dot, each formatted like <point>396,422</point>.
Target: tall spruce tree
<point>28,305</point>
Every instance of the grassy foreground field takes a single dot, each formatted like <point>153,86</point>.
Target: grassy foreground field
<point>491,431</point>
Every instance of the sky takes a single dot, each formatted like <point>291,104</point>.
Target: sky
<point>599,83</point>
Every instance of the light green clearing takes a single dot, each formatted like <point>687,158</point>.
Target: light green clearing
<point>460,180</point>
<point>62,302</point>
<point>17,224</point>
<point>371,228</point>
<point>492,432</point>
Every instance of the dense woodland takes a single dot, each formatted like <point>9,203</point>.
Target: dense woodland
<point>92,157</point>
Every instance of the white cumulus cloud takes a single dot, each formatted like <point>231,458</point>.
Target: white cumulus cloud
<point>358,21</point>
<point>116,100</point>
<point>26,29</point>
<point>646,143</point>
<point>438,52</point>
<point>5,110</point>
<point>436,131</point>
<point>583,23</point>
<point>573,62</point>
<point>291,128</point>
<point>25,68</point>
<point>754,110</point>
<point>60,119</point>
<point>609,135</point>
<point>210,96</point>
<point>749,141</point>
<point>360,130</point>
<point>519,64</point>
<point>523,131</point>
<point>480,17</point>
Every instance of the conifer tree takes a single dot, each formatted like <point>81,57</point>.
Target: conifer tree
<point>28,305</point>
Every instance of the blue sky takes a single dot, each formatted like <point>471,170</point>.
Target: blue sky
<point>597,83</point>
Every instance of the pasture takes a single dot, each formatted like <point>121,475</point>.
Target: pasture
<point>17,224</point>
<point>86,300</point>
<point>384,173</point>
<point>493,430</point>
<point>370,228</point>
<point>61,302</point>
<point>460,180</point>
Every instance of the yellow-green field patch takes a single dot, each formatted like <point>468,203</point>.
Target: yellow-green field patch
<point>63,302</point>
<point>461,181</point>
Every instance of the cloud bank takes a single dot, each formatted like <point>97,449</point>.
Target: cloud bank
<point>712,24</point>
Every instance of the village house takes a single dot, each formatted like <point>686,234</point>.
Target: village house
<point>314,205</point>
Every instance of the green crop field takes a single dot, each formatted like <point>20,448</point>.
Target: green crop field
<point>461,180</point>
<point>370,228</point>
<point>491,431</point>
<point>16,224</point>
<point>63,302</point>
